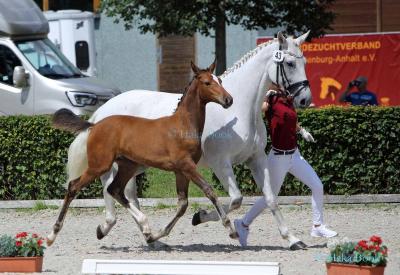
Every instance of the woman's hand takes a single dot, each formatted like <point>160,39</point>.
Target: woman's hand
<point>270,93</point>
<point>306,135</point>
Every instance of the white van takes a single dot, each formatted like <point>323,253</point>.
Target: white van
<point>35,77</point>
<point>72,31</point>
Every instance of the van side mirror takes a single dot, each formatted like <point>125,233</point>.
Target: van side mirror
<point>20,77</point>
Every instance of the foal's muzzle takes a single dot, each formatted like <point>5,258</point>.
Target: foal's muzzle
<point>228,102</point>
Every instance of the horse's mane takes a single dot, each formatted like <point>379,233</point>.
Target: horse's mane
<point>185,91</point>
<point>247,56</point>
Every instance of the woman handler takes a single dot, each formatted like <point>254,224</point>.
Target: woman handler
<point>285,157</point>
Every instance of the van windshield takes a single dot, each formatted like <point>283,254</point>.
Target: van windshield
<point>47,59</point>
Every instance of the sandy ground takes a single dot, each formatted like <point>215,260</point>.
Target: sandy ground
<point>77,240</point>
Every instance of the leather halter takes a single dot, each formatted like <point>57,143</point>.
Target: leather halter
<point>293,89</point>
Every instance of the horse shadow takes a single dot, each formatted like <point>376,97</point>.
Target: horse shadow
<point>200,247</point>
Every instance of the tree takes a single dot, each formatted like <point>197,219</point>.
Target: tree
<point>185,17</point>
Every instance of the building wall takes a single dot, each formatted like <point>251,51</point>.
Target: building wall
<point>238,43</point>
<point>390,15</point>
<point>127,59</point>
<point>362,16</point>
<point>175,53</point>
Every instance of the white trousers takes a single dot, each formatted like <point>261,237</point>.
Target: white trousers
<point>295,164</point>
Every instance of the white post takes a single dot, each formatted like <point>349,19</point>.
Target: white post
<point>94,266</point>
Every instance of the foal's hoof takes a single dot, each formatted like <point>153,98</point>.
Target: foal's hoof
<point>99,233</point>
<point>149,238</point>
<point>49,242</point>
<point>298,246</point>
<point>196,217</point>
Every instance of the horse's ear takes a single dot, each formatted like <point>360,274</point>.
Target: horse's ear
<point>300,40</point>
<point>282,40</point>
<point>195,69</point>
<point>211,68</point>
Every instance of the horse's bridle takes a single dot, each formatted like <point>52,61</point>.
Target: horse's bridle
<point>292,89</point>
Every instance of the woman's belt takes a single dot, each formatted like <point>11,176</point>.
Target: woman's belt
<point>283,152</point>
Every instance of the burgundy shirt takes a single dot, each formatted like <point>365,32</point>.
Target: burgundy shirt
<point>282,121</point>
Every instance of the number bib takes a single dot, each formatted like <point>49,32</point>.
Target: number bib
<point>277,56</point>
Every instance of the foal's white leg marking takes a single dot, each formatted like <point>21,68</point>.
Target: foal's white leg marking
<point>51,237</point>
<point>105,228</point>
<point>130,194</point>
<point>258,167</point>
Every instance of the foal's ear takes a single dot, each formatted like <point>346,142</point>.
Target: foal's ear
<point>195,69</point>
<point>211,68</point>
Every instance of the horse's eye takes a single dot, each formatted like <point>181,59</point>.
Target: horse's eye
<point>291,64</point>
<point>220,80</point>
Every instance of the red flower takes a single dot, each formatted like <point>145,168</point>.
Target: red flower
<point>39,242</point>
<point>363,244</point>
<point>22,235</point>
<point>34,235</point>
<point>18,243</point>
<point>376,239</point>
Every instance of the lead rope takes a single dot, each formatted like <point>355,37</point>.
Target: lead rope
<point>277,70</point>
<point>281,69</point>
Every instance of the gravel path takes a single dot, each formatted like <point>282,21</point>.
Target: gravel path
<point>77,240</point>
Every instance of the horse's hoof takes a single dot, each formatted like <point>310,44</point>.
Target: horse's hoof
<point>196,217</point>
<point>303,245</point>
<point>99,233</point>
<point>298,246</point>
<point>234,235</point>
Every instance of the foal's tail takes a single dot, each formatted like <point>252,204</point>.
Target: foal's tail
<point>65,119</point>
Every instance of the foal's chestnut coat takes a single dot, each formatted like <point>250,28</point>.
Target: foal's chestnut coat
<point>170,143</point>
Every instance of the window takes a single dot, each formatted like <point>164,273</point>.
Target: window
<point>47,59</point>
<point>8,61</point>
<point>82,55</point>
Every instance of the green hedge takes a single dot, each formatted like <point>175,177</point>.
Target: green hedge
<point>357,151</point>
<point>32,160</point>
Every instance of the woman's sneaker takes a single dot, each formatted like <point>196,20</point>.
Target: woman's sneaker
<point>322,231</point>
<point>242,231</point>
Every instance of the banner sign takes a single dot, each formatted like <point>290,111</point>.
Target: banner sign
<point>335,60</point>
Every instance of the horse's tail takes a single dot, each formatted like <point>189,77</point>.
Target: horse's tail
<point>65,119</point>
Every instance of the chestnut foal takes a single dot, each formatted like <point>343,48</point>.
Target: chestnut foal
<point>170,143</point>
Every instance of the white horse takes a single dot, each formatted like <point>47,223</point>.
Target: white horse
<point>231,136</point>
